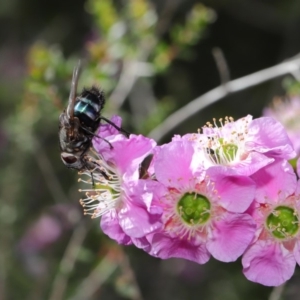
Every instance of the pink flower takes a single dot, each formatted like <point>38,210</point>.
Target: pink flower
<point>244,145</point>
<point>271,258</point>
<point>47,229</point>
<point>287,112</point>
<point>126,203</point>
<point>199,215</point>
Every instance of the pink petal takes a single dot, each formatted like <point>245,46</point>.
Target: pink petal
<point>231,236</point>
<point>142,211</point>
<point>176,164</point>
<point>110,226</point>
<point>136,221</point>
<point>236,192</point>
<point>142,243</point>
<point>274,178</point>
<point>106,148</point>
<point>105,129</point>
<point>127,153</point>
<point>266,135</point>
<point>130,153</point>
<point>164,247</point>
<point>147,193</point>
<point>228,128</point>
<point>297,252</point>
<point>253,162</point>
<point>269,264</point>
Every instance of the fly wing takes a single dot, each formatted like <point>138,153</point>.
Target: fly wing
<point>72,97</point>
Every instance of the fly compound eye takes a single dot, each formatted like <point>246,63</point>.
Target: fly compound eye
<point>68,159</point>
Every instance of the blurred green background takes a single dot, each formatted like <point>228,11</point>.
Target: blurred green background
<point>151,58</point>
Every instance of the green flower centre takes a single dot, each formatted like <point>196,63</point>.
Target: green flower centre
<point>226,152</point>
<point>106,187</point>
<point>283,222</point>
<point>194,208</point>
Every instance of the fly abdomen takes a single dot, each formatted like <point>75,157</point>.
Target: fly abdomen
<point>85,113</point>
<point>88,107</point>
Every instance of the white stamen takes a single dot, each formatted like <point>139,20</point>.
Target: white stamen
<point>225,143</point>
<point>106,192</point>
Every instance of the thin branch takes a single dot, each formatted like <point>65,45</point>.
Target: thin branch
<point>51,179</point>
<point>277,292</point>
<point>68,261</point>
<point>125,84</point>
<point>114,259</point>
<point>132,70</point>
<point>216,94</point>
<point>165,16</point>
<point>129,273</point>
<point>101,273</point>
<point>3,279</point>
<point>221,65</point>
<point>13,173</point>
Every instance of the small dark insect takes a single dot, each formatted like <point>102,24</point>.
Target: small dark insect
<point>143,168</point>
<point>78,124</point>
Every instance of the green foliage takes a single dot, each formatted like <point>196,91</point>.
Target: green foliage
<point>186,35</point>
<point>104,14</point>
<point>292,86</point>
<point>121,36</point>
